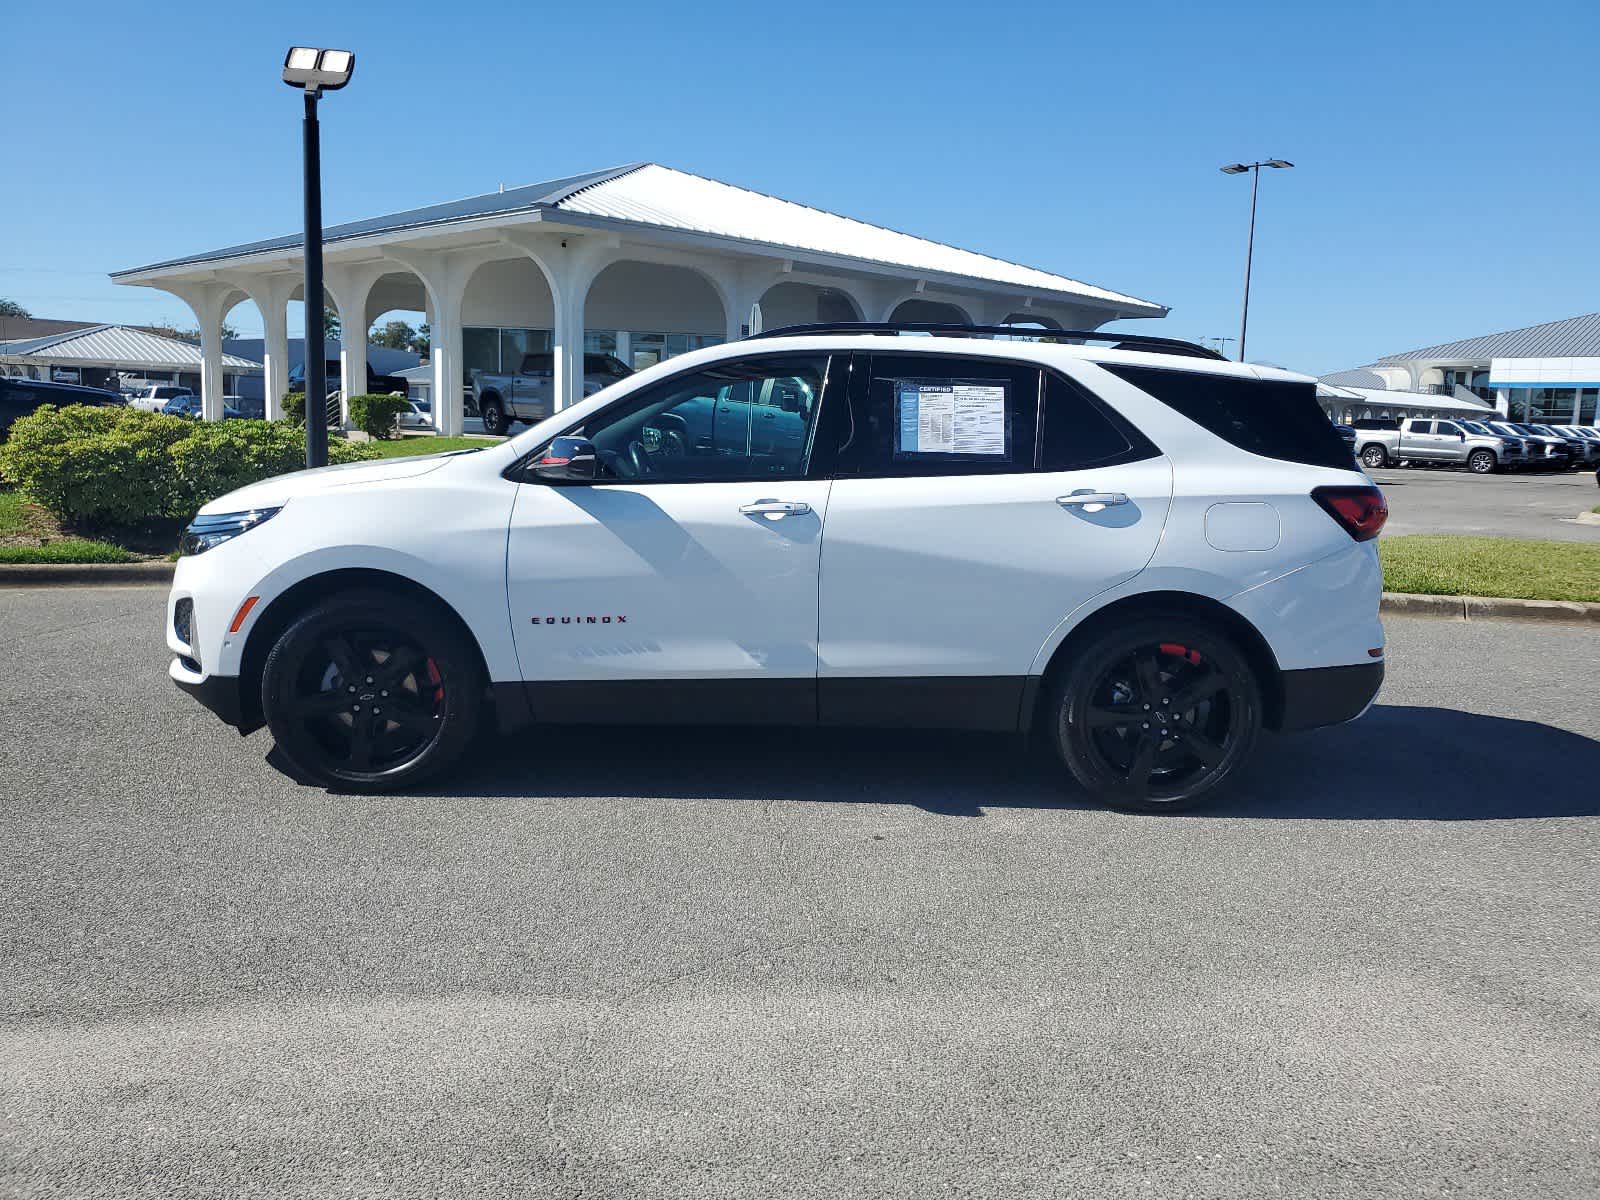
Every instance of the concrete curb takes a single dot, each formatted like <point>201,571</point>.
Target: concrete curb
<point>64,574</point>
<point>1491,608</point>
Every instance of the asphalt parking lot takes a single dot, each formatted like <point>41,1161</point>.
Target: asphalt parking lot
<point>642,963</point>
<point>1516,504</point>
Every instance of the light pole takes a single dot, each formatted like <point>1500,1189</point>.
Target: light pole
<point>316,71</point>
<point>1250,246</point>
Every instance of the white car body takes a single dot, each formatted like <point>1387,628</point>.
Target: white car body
<point>906,600</point>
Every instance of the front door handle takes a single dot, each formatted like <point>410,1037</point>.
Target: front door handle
<point>776,510</point>
<point>1091,499</point>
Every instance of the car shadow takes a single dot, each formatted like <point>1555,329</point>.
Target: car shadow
<point>1396,763</point>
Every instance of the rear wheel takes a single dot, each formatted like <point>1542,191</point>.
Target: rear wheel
<point>494,417</point>
<point>369,692</point>
<point>1481,462</point>
<point>1374,457</point>
<point>1157,715</point>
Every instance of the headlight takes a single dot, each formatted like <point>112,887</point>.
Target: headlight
<point>205,532</point>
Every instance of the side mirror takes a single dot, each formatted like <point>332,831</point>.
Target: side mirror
<point>1461,437</point>
<point>567,460</point>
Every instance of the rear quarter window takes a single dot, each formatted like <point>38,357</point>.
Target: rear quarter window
<point>1272,418</point>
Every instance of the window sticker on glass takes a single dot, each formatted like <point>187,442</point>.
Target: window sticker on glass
<point>951,416</point>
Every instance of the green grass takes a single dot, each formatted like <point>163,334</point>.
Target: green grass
<point>406,447</point>
<point>67,550</point>
<point>1439,565</point>
<point>29,534</point>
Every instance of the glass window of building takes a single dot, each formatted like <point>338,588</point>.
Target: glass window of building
<point>1586,405</point>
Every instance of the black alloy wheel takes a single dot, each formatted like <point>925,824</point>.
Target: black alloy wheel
<point>1156,716</point>
<point>494,417</point>
<point>369,692</point>
<point>1374,457</point>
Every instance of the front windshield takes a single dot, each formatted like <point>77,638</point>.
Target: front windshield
<point>1473,427</point>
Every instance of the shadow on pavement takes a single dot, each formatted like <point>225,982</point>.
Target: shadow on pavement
<point>1396,763</point>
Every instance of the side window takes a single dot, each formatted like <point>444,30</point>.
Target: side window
<point>935,414</point>
<point>537,364</point>
<point>746,420</point>
<point>1449,427</point>
<point>1078,432</point>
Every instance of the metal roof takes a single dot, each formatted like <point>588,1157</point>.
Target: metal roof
<point>120,345</point>
<point>1358,377</point>
<point>514,200</point>
<point>1386,398</point>
<point>649,195</point>
<point>1575,337</point>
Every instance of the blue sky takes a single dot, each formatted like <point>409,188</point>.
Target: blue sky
<point>1448,155</point>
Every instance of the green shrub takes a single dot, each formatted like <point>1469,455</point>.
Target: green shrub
<point>294,408</point>
<point>111,466</point>
<point>375,414</point>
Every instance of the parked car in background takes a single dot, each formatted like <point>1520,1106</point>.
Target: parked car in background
<point>527,396</point>
<point>1348,433</point>
<point>19,397</point>
<point>252,408</point>
<point>1576,442</point>
<point>377,384</point>
<point>190,406</point>
<point>1590,435</point>
<point>1432,442</point>
<point>1515,454</point>
<point>1545,450</point>
<point>415,417</point>
<point>154,398</point>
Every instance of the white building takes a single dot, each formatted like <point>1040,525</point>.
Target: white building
<point>112,356</point>
<point>1546,373</point>
<point>643,261</point>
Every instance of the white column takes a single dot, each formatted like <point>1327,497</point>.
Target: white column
<point>567,298</point>
<point>274,359</point>
<point>625,346</point>
<point>351,287</point>
<point>444,356</point>
<point>209,302</point>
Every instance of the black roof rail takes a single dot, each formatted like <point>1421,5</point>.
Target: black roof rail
<point>1118,341</point>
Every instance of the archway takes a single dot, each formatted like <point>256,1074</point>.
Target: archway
<point>933,311</point>
<point>645,312</point>
<point>796,303</point>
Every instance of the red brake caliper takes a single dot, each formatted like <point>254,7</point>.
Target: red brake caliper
<point>436,680</point>
<point>1177,651</point>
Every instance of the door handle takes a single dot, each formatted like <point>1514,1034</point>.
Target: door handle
<point>776,510</point>
<point>1091,499</point>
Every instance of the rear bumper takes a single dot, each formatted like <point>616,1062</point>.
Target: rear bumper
<point>1328,695</point>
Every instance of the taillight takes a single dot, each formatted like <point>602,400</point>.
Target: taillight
<point>1361,511</point>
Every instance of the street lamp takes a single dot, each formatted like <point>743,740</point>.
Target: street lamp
<point>1250,246</point>
<point>316,71</point>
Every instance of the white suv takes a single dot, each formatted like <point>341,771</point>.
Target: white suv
<point>1144,552</point>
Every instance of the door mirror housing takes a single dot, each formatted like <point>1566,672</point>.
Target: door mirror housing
<point>567,460</point>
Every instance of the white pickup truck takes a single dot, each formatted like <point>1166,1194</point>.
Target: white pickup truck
<point>527,395</point>
<point>1416,440</point>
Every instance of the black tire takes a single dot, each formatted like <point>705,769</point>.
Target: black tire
<point>1108,709</point>
<point>1373,457</point>
<point>494,416</point>
<point>1482,462</point>
<point>372,692</point>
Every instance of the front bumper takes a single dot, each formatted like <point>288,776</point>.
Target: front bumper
<point>1320,696</point>
<point>219,693</point>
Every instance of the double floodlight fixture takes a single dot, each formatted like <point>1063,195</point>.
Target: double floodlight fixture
<point>318,70</point>
<point>1241,168</point>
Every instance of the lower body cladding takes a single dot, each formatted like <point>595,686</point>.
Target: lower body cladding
<point>1303,699</point>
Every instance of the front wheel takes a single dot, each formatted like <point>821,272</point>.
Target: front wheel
<point>1157,715</point>
<point>494,417</point>
<point>371,692</point>
<point>1374,457</point>
<point>1481,462</point>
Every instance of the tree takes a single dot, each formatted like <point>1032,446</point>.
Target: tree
<point>393,335</point>
<point>422,341</point>
<point>332,327</point>
<point>229,333</point>
<point>10,308</point>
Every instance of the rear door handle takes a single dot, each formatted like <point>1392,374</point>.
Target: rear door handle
<point>1085,499</point>
<point>776,510</point>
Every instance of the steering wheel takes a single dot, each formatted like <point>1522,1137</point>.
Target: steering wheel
<point>638,459</point>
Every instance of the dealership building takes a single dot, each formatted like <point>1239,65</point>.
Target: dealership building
<point>641,261</point>
<point>1547,373</point>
